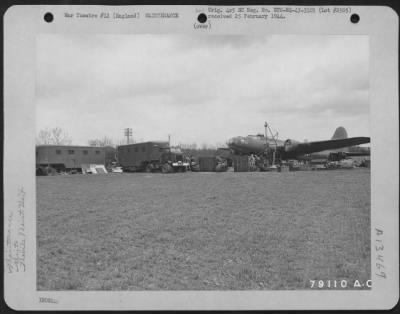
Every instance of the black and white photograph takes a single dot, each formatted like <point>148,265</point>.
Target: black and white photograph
<point>193,158</point>
<point>173,162</point>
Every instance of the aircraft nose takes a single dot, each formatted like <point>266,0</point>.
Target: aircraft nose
<point>234,140</point>
<point>238,141</point>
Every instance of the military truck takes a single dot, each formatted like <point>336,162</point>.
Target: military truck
<point>151,157</point>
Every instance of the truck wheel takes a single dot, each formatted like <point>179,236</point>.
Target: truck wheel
<point>40,172</point>
<point>166,168</point>
<point>148,168</point>
<point>195,168</point>
<point>50,171</point>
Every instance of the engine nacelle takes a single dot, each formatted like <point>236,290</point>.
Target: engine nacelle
<point>290,145</point>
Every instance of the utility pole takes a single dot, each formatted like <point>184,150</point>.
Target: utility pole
<point>169,140</point>
<point>127,133</point>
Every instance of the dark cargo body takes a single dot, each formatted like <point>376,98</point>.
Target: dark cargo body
<point>59,158</point>
<point>207,164</point>
<point>241,163</point>
<point>136,156</point>
<point>213,164</point>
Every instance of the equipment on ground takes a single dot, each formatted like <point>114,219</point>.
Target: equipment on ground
<point>93,169</point>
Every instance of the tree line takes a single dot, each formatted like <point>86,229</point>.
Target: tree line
<point>58,136</point>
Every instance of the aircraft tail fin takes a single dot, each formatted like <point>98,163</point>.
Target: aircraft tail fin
<point>340,133</point>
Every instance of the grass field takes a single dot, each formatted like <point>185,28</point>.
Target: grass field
<point>202,231</point>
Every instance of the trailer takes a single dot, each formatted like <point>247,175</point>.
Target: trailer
<point>150,157</point>
<point>53,159</point>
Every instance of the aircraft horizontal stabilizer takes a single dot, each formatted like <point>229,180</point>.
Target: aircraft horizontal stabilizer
<point>355,154</point>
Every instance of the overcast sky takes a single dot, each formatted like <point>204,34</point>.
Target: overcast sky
<point>202,89</point>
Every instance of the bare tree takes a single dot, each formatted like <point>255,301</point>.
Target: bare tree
<point>123,141</point>
<point>105,141</point>
<point>221,145</point>
<point>44,137</point>
<point>54,136</point>
<point>206,146</point>
<point>192,146</point>
<point>60,137</point>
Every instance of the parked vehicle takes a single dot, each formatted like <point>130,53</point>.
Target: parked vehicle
<point>54,159</point>
<point>151,156</point>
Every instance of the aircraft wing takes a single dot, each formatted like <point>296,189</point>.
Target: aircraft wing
<point>314,147</point>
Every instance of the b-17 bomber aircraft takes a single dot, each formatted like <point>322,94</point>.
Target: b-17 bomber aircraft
<point>291,149</point>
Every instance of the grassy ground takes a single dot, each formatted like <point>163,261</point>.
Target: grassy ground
<point>202,231</point>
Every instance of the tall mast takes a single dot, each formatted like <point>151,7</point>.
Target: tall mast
<point>266,126</point>
<point>266,132</point>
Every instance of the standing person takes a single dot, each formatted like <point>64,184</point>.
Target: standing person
<point>193,163</point>
<point>257,162</point>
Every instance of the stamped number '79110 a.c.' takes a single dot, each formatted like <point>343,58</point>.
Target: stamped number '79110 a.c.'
<point>340,284</point>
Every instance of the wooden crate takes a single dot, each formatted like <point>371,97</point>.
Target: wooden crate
<point>241,164</point>
<point>207,164</point>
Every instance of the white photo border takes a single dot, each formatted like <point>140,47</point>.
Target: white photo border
<point>21,26</point>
